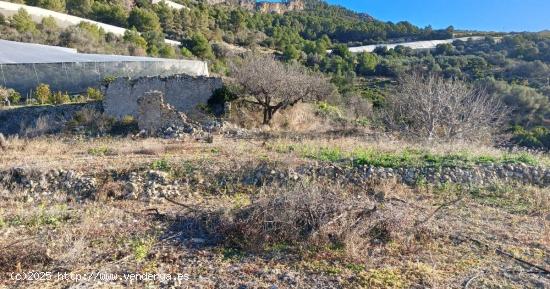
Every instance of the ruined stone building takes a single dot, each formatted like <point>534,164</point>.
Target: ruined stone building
<point>182,92</point>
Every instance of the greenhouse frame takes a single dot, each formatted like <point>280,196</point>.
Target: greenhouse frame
<point>23,66</point>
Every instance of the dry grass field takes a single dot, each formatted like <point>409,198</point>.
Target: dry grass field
<point>316,233</point>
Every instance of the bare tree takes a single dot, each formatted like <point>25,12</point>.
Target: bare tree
<point>433,107</point>
<point>274,86</point>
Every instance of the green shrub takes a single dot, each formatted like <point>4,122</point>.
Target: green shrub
<point>538,137</point>
<point>199,46</point>
<point>328,110</point>
<point>161,165</point>
<point>144,20</point>
<point>43,93</point>
<point>94,93</point>
<point>92,30</point>
<point>55,5</point>
<point>128,120</point>
<point>59,98</point>
<point>11,95</point>
<point>22,21</point>
<point>167,51</point>
<point>132,36</point>
<point>186,52</point>
<point>14,97</point>
<point>141,248</point>
<point>216,102</point>
<point>108,80</point>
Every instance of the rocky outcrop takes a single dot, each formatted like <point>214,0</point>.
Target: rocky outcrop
<point>264,7</point>
<point>246,4</point>
<point>280,7</point>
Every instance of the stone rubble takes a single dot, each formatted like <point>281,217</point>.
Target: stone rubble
<point>160,119</point>
<point>155,115</point>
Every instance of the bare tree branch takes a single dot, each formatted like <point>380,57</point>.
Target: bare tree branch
<point>275,86</point>
<point>433,107</point>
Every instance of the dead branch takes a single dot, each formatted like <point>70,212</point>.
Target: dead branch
<point>501,252</point>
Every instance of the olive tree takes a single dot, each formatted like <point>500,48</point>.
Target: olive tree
<point>274,86</point>
<point>429,106</point>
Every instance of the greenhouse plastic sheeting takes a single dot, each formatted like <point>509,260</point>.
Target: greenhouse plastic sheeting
<point>23,66</point>
<point>416,45</point>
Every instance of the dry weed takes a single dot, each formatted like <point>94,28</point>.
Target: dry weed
<point>23,256</point>
<point>306,215</point>
<point>41,126</point>
<point>300,118</point>
<point>3,142</point>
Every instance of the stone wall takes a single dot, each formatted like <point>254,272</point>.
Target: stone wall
<point>45,118</point>
<point>150,184</point>
<point>183,92</point>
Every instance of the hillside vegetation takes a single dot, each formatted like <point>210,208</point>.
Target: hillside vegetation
<point>513,68</point>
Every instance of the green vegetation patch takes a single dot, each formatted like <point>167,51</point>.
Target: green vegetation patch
<point>519,200</point>
<point>100,151</point>
<point>404,158</point>
<point>538,137</point>
<point>161,165</point>
<point>51,217</point>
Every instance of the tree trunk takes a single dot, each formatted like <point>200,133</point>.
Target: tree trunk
<point>268,114</point>
<point>266,119</point>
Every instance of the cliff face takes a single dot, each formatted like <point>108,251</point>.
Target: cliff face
<point>280,7</point>
<point>264,7</point>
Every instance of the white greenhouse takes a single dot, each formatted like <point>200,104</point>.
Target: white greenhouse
<point>24,65</point>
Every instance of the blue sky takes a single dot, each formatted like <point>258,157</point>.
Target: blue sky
<point>486,15</point>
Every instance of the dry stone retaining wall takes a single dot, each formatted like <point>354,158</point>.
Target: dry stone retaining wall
<point>17,120</point>
<point>183,92</point>
<point>151,184</point>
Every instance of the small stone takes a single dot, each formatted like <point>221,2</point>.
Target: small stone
<point>198,240</point>
<point>71,174</point>
<point>131,190</point>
